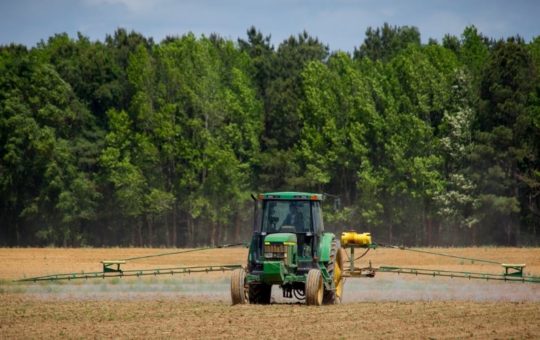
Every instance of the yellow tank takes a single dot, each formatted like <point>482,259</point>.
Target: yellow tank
<point>352,237</point>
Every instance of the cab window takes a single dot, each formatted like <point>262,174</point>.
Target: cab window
<point>318,223</point>
<point>286,216</point>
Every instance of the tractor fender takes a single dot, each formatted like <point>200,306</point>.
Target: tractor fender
<point>325,246</point>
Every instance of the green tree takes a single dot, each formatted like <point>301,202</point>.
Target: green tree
<point>337,112</point>
<point>474,51</point>
<point>261,53</point>
<point>455,204</point>
<point>502,152</point>
<point>383,43</point>
<point>45,130</point>
<point>283,118</point>
<point>214,105</point>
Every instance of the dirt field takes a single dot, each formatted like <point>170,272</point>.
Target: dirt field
<point>198,306</point>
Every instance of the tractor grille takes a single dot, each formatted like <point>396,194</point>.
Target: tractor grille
<point>275,251</point>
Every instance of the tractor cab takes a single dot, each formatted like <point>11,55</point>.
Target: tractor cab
<point>287,226</point>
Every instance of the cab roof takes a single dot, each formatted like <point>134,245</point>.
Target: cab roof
<point>291,195</point>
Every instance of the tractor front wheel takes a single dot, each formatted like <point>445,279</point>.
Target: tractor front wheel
<point>238,290</point>
<point>314,288</point>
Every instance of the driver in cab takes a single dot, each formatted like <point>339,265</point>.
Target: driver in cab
<point>294,218</point>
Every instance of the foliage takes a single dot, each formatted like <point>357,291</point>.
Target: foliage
<point>131,142</point>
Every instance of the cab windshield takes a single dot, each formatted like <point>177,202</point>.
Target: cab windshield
<point>286,216</point>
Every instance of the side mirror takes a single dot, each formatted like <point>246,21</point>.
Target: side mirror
<point>337,204</point>
<point>337,201</point>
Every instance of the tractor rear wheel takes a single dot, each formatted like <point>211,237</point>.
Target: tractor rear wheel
<point>259,293</point>
<point>314,288</point>
<point>238,290</point>
<point>334,268</point>
<point>338,278</point>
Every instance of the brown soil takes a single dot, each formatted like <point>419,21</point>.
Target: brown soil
<point>199,306</point>
<point>22,317</point>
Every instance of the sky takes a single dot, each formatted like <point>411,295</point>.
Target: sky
<point>341,24</point>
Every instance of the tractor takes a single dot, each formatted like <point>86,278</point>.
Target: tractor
<point>289,248</point>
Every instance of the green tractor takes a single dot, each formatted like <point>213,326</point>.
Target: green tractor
<point>290,248</point>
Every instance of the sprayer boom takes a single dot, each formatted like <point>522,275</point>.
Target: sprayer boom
<point>352,240</point>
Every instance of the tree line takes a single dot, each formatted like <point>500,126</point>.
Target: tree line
<point>130,142</point>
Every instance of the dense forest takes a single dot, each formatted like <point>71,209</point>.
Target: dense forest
<point>129,142</point>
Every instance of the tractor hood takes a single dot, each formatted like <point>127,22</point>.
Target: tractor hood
<point>286,238</point>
